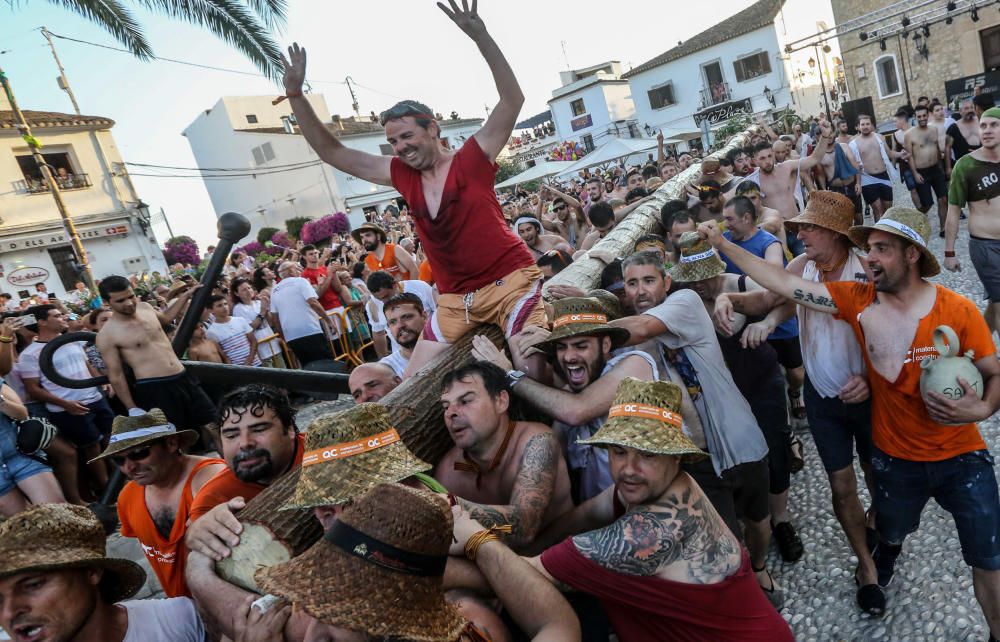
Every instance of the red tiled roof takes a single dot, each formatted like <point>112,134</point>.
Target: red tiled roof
<point>51,119</point>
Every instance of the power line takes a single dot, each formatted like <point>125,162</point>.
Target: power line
<point>225,169</point>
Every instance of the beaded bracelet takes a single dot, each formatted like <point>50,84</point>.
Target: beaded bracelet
<point>481,537</point>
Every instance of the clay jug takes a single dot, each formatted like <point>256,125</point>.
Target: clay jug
<point>941,373</point>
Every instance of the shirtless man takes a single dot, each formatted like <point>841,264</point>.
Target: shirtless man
<point>875,161</point>
<point>963,135</point>
<point>503,471</point>
<point>569,218</point>
<point>529,229</point>
<point>941,122</point>
<point>770,220</point>
<point>134,337</point>
<point>495,282</point>
<point>903,165</point>
<point>974,183</point>
<point>841,182</point>
<point>923,145</point>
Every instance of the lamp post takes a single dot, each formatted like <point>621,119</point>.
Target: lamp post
<point>822,83</point>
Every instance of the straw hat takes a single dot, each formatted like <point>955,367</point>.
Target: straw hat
<point>576,316</point>
<point>829,210</point>
<point>699,261</point>
<point>349,452</point>
<point>368,227</point>
<point>133,431</point>
<point>611,303</point>
<point>646,416</point>
<point>379,570</point>
<point>908,224</point>
<point>51,537</point>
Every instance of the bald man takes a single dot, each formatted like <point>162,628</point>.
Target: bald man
<point>372,381</point>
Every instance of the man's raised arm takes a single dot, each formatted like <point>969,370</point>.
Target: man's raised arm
<point>374,169</point>
<point>495,133</point>
<point>768,275</point>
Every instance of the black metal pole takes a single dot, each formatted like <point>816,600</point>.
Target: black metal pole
<point>232,228</point>
<point>822,85</point>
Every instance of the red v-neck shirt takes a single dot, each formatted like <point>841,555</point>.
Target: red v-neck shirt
<point>468,244</point>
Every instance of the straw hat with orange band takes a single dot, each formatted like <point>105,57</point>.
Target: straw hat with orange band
<point>350,452</point>
<point>581,316</point>
<point>646,416</point>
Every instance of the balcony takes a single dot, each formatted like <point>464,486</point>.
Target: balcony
<point>66,182</point>
<point>714,94</point>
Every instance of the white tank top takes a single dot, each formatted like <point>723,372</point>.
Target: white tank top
<point>830,350</point>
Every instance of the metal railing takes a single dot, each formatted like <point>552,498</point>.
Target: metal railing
<point>715,93</point>
<point>40,186</point>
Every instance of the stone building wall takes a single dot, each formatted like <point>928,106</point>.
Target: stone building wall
<point>954,51</point>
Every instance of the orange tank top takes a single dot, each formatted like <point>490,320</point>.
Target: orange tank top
<point>166,556</point>
<point>387,264</point>
<point>426,274</point>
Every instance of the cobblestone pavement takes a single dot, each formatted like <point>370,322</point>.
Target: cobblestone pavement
<point>932,597</point>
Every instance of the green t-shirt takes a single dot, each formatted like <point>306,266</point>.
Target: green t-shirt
<point>973,180</point>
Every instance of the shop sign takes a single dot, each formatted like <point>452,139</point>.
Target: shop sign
<point>581,122</point>
<point>966,86</point>
<point>723,112</point>
<point>27,276</point>
<point>59,238</point>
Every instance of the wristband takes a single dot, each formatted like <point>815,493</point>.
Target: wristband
<point>481,537</point>
<point>6,339</point>
<point>949,254</point>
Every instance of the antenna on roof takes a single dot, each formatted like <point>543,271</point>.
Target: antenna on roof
<point>565,57</point>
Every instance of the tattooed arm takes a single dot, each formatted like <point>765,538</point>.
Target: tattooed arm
<point>531,495</point>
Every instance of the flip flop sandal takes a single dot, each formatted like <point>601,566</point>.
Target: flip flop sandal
<point>798,408</point>
<point>870,597</point>
<point>774,595</point>
<point>796,455</point>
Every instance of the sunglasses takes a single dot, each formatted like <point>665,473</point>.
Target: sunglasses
<point>558,208</point>
<point>132,455</point>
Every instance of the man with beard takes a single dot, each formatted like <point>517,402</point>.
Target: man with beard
<point>974,184</point>
<point>451,196</point>
<point>405,318</point>
<point>875,161</point>
<point>963,134</point>
<point>384,256</point>
<point>372,381</point>
<point>780,183</point>
<point>769,220</point>
<point>505,472</point>
<point>382,286</point>
<point>529,229</point>
<point>741,162</point>
<point>923,145</point>
<point>134,337</point>
<point>580,351</point>
<point>332,294</point>
<point>710,201</point>
<point>940,121</point>
<point>595,193</point>
<point>153,506</point>
<point>924,445</point>
<point>569,218</point>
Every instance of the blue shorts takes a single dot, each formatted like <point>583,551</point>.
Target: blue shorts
<point>85,430</point>
<point>14,467</point>
<point>908,179</point>
<point>838,429</point>
<point>965,486</point>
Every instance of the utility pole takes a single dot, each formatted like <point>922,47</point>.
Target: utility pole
<point>35,146</point>
<point>354,99</point>
<point>166,220</point>
<point>63,82</point>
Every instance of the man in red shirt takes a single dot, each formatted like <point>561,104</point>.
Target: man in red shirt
<point>330,291</point>
<point>483,271</point>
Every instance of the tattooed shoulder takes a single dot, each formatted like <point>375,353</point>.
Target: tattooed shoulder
<point>636,544</point>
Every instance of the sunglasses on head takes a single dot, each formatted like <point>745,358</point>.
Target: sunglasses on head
<point>133,455</point>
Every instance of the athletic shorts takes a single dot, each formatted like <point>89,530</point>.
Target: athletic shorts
<point>935,179</point>
<point>985,256</point>
<point>741,492</point>
<point>179,397</point>
<point>877,191</point>
<point>14,467</point>
<point>513,303</point>
<point>908,179</point>
<point>789,352</point>
<point>839,429</point>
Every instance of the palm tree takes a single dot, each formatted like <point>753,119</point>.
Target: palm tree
<point>244,24</point>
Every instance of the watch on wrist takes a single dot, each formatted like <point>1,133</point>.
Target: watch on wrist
<point>514,377</point>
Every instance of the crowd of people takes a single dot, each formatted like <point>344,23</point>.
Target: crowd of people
<point>619,465</point>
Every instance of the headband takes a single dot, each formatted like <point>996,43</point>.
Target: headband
<point>355,543</point>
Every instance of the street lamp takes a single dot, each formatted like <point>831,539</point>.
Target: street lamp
<point>769,95</point>
<point>822,83</point>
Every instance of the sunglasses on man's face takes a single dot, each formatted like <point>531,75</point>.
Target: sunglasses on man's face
<point>558,208</point>
<point>133,455</point>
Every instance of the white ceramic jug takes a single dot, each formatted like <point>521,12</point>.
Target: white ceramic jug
<point>941,374</point>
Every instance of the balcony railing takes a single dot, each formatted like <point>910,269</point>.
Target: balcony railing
<point>715,93</point>
<point>40,186</point>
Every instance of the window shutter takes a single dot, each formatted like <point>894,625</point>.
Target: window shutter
<point>765,63</point>
<point>738,68</point>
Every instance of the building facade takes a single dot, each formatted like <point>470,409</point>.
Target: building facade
<point>592,105</point>
<point>275,175</point>
<point>895,64</point>
<point>112,221</point>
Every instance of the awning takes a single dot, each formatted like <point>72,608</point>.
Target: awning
<point>540,170</point>
<point>371,199</point>
<point>536,120</point>
<point>615,149</point>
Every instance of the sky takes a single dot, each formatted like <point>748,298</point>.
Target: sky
<point>407,49</point>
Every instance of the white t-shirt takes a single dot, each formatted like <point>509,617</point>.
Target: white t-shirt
<point>170,620</point>
<point>232,338</point>
<point>71,362</point>
<point>396,361</point>
<point>290,303</point>
<point>249,313</point>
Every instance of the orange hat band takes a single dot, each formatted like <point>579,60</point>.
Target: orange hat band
<point>643,411</point>
<point>569,319</point>
<point>350,449</point>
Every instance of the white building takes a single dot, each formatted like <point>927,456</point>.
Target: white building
<point>278,175</point>
<point>110,218</point>
<point>737,66</point>
<point>592,105</point>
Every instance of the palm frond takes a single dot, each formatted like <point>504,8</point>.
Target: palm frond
<point>233,22</point>
<point>272,13</point>
<point>113,17</point>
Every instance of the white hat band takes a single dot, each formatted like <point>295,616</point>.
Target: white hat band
<point>694,258</point>
<point>905,229</point>
<point>142,432</point>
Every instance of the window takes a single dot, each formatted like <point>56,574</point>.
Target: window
<point>633,130</point>
<point>990,39</point>
<point>263,154</point>
<point>887,76</point>
<point>588,142</point>
<point>60,165</point>
<point>65,263</point>
<point>662,96</point>
<point>252,118</point>
<point>752,66</point>
<point>577,107</point>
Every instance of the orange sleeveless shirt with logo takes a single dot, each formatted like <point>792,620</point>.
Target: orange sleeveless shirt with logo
<point>166,556</point>
<point>387,264</point>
